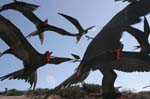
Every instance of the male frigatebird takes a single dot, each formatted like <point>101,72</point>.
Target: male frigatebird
<point>101,52</point>
<point>76,23</point>
<point>23,50</point>
<point>26,10</point>
<point>19,6</point>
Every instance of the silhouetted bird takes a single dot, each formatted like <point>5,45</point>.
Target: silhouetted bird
<point>76,23</point>
<point>24,51</point>
<point>44,26</point>
<point>101,52</point>
<point>19,6</point>
<point>41,26</point>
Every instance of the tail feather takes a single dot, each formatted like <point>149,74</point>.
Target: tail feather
<point>71,80</point>
<point>31,79</point>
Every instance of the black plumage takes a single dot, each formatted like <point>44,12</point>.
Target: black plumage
<point>24,51</point>
<point>76,23</point>
<point>100,53</point>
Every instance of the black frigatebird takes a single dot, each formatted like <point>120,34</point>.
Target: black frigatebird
<point>24,51</point>
<point>43,26</point>
<point>76,23</point>
<point>27,11</point>
<point>101,52</point>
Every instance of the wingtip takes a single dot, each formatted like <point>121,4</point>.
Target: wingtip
<point>58,13</point>
<point>76,58</point>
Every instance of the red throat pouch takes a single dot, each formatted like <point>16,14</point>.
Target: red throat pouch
<point>48,57</point>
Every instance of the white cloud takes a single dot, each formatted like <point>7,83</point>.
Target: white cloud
<point>51,79</point>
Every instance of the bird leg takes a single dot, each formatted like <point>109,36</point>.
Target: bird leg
<point>109,77</point>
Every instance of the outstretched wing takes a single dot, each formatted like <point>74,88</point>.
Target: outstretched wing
<point>32,17</point>
<point>19,6</point>
<point>146,28</point>
<point>58,30</point>
<point>59,60</point>
<point>141,37</point>
<point>74,21</point>
<point>13,37</point>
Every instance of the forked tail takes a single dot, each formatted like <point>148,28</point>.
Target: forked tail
<point>71,80</point>
<point>20,74</point>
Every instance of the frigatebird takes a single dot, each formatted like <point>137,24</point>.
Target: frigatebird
<point>43,26</point>
<point>27,11</point>
<point>101,52</point>
<point>19,6</point>
<point>24,51</point>
<point>76,23</point>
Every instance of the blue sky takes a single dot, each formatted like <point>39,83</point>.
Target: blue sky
<point>88,12</point>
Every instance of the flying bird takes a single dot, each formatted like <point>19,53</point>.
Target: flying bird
<point>102,51</point>
<point>43,26</point>
<point>24,51</point>
<point>76,23</point>
<point>19,6</point>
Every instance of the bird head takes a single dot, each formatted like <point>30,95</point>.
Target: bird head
<point>48,56</point>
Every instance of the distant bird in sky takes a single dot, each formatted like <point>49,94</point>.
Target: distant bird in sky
<point>76,23</point>
<point>43,26</point>
<point>102,51</point>
<point>19,6</point>
<point>24,51</point>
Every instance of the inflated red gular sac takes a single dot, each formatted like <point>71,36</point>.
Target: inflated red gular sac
<point>48,56</point>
